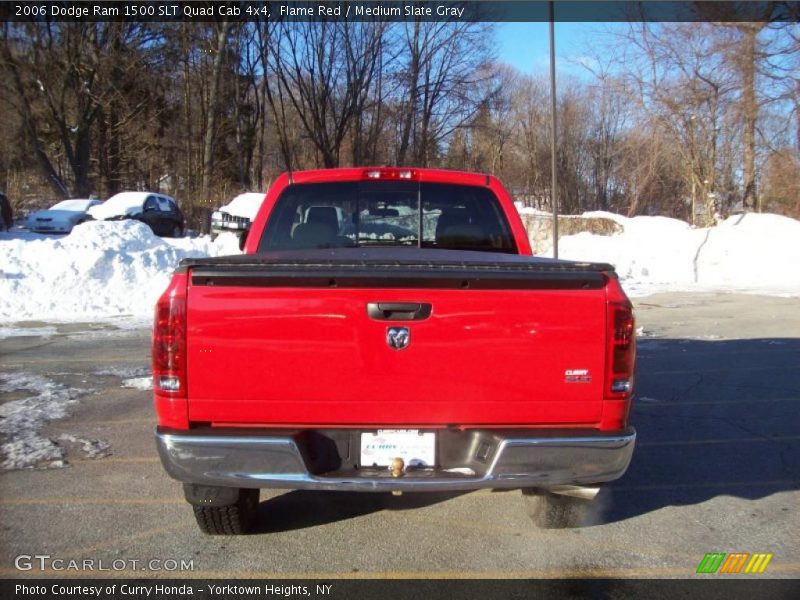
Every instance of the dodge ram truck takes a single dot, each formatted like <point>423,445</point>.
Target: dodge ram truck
<point>388,330</point>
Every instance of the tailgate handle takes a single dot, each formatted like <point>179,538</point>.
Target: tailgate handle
<point>399,311</point>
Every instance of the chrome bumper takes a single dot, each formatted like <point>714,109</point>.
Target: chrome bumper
<point>550,458</point>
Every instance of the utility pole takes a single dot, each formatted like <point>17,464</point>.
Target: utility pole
<point>553,181</point>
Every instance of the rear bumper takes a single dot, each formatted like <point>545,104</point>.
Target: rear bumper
<point>471,460</point>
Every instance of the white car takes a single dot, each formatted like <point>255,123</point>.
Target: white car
<point>61,217</point>
<point>237,214</point>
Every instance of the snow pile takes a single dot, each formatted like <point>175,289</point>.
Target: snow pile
<point>226,243</point>
<point>115,271</point>
<point>101,270</point>
<point>21,420</point>
<point>758,253</point>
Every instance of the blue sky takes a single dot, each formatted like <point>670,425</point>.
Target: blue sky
<point>526,46</point>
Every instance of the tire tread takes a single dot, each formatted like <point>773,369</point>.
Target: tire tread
<point>231,519</point>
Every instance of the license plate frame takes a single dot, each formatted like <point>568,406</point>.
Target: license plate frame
<point>379,448</point>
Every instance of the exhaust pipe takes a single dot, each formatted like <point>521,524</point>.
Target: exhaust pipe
<point>576,491</point>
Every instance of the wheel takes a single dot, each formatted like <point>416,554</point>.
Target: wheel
<point>230,519</point>
<point>177,231</point>
<point>555,511</point>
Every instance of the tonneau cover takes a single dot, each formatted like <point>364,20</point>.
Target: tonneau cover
<point>412,258</point>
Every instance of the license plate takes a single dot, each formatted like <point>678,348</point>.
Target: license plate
<point>416,448</point>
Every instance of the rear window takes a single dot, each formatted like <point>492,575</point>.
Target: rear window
<point>388,213</point>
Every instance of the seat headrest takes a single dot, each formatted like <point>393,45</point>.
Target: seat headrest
<point>449,218</point>
<point>325,215</point>
<point>313,235</point>
<point>465,236</point>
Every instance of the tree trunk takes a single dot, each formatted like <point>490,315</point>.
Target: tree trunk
<point>187,109</point>
<point>413,90</point>
<point>750,111</point>
<point>213,101</point>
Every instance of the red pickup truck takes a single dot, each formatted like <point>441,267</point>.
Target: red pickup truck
<point>388,330</point>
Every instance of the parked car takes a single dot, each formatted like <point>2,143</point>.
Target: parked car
<point>62,216</point>
<point>437,355</point>
<point>159,212</point>
<point>237,215</point>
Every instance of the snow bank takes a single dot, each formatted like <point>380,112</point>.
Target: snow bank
<point>102,270</point>
<point>757,253</point>
<point>115,271</point>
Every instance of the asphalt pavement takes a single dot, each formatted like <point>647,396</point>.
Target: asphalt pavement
<point>716,469</point>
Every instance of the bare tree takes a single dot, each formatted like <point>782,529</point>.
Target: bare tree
<point>324,72</point>
<point>443,66</point>
<point>683,80</point>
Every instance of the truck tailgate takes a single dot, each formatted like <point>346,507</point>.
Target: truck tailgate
<point>286,342</point>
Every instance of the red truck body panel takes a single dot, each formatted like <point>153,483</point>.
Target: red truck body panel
<point>313,357</point>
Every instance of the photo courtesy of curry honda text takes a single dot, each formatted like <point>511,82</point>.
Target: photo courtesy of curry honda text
<point>388,330</point>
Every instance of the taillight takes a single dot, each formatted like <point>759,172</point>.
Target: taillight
<point>169,340</point>
<point>621,340</point>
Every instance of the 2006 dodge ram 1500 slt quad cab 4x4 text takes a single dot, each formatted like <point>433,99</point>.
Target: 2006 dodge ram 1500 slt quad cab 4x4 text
<point>388,330</point>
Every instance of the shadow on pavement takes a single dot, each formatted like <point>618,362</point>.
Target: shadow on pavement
<point>301,508</point>
<point>713,418</point>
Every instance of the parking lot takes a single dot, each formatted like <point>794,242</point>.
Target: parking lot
<point>716,469</point>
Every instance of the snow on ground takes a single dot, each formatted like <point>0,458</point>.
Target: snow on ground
<point>114,271</point>
<point>754,253</point>
<point>39,400</point>
<point>124,372</point>
<point>46,331</point>
<point>137,378</point>
<point>101,271</point>
<point>138,383</point>
<point>21,421</point>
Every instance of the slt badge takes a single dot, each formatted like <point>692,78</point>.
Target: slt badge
<point>398,337</point>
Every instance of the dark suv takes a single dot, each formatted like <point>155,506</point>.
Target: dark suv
<point>163,216</point>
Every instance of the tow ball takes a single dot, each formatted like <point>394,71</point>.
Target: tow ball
<point>397,468</point>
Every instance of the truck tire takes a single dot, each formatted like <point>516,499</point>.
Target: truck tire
<point>230,519</point>
<point>555,511</point>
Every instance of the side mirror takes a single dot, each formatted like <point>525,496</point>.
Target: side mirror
<point>243,238</point>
